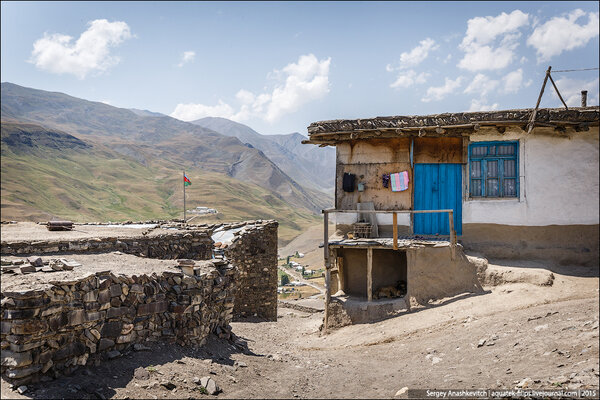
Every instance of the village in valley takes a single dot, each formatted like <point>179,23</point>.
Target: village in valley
<point>406,242</point>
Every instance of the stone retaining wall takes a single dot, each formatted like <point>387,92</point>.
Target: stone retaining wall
<point>254,252</point>
<point>74,323</point>
<point>194,244</point>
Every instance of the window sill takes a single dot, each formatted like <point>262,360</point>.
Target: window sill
<point>494,199</point>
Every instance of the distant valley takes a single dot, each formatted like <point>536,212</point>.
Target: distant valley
<point>71,158</point>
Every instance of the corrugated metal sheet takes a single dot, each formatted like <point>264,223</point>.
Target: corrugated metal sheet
<point>437,186</point>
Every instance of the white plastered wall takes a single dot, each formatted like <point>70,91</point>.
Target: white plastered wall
<point>558,182</point>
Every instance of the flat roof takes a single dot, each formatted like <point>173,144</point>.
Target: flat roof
<point>32,231</point>
<point>116,262</point>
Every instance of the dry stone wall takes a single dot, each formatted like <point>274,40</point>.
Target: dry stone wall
<point>193,244</point>
<point>254,252</point>
<point>73,323</point>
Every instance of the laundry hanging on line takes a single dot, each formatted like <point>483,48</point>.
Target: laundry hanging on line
<point>385,180</point>
<point>399,181</point>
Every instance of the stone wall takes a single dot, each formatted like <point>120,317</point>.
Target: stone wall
<point>194,244</point>
<point>73,323</point>
<point>254,252</point>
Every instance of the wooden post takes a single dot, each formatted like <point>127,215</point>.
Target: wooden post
<point>532,120</point>
<point>395,229</point>
<point>452,235</point>
<point>341,281</point>
<point>557,92</point>
<point>369,274</point>
<point>327,272</point>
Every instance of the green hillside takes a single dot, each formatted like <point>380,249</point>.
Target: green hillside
<point>89,182</point>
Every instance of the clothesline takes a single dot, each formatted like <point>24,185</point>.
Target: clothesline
<point>574,70</point>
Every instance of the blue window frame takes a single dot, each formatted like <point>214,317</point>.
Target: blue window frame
<point>494,169</point>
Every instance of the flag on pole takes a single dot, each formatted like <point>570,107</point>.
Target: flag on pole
<point>186,181</point>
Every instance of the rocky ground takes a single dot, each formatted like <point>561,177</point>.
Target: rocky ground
<point>520,333</point>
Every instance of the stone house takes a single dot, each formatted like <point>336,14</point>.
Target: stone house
<point>516,188</point>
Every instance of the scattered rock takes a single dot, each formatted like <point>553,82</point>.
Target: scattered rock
<point>168,385</point>
<point>113,354</point>
<point>525,383</point>
<point>140,347</point>
<point>481,342</point>
<point>141,373</point>
<point>401,391</point>
<point>240,364</point>
<point>22,389</point>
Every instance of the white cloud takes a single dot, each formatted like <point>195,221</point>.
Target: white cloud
<point>563,33</point>
<point>417,54</point>
<point>57,53</point>
<point>186,57</point>
<point>439,92</point>
<point>486,58</point>
<point>513,81</point>
<point>479,105</point>
<point>570,89</point>
<point>484,30</point>
<point>481,85</point>
<point>191,111</point>
<point>408,78</point>
<point>490,42</point>
<point>298,84</point>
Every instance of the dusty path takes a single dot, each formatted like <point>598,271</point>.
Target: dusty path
<point>548,334</point>
<point>298,277</point>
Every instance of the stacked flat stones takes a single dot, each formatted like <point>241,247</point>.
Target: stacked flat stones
<point>195,244</point>
<point>253,250</point>
<point>73,323</point>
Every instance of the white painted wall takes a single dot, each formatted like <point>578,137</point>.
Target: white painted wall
<point>558,182</point>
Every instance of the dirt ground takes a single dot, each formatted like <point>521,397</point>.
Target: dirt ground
<point>518,329</point>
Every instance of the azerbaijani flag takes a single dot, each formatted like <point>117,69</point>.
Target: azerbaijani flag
<point>186,181</point>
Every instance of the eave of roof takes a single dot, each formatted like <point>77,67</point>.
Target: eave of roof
<point>449,124</point>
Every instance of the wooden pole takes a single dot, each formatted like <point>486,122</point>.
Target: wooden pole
<point>341,280</point>
<point>184,197</point>
<point>452,235</point>
<point>395,229</point>
<point>370,274</point>
<point>532,120</point>
<point>557,92</point>
<point>327,272</point>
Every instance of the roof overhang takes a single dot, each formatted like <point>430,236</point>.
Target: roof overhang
<point>450,124</point>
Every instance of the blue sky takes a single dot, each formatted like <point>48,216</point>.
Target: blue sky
<point>278,66</point>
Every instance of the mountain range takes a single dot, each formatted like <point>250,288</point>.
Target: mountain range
<point>68,157</point>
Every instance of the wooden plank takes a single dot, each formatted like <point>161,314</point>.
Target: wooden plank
<point>369,274</point>
<point>395,229</point>
<point>428,150</point>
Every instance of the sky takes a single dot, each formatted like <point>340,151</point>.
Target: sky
<point>279,66</point>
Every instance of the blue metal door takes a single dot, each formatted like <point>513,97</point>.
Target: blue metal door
<point>437,186</point>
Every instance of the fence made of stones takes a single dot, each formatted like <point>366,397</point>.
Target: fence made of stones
<point>194,244</point>
<point>68,324</point>
<point>254,252</point>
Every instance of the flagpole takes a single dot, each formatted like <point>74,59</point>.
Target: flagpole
<point>184,197</point>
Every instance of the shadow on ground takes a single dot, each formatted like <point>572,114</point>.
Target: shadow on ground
<point>101,382</point>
